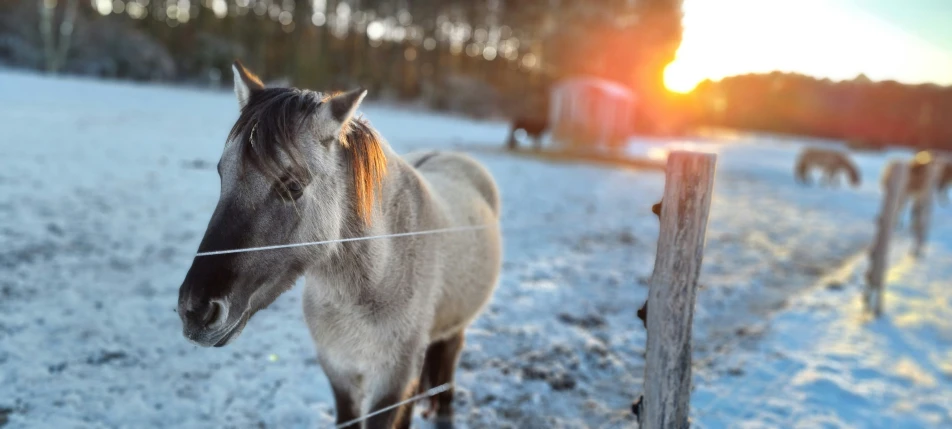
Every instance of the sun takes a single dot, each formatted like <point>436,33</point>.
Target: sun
<point>680,79</point>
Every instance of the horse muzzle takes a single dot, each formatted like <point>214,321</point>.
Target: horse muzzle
<point>206,323</point>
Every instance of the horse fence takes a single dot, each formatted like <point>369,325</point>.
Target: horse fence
<point>688,182</point>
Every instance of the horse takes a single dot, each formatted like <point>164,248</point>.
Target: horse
<point>534,128</point>
<point>387,315</point>
<point>830,162</point>
<point>916,181</point>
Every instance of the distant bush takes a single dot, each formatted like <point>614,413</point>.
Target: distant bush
<point>100,46</point>
<point>110,49</point>
<point>16,51</point>
<point>209,61</point>
<point>463,95</point>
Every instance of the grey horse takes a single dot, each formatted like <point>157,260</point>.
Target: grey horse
<point>916,183</point>
<point>387,315</point>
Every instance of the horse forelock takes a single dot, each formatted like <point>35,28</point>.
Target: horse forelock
<point>267,127</point>
<point>269,123</point>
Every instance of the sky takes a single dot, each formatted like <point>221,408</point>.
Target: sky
<point>905,40</point>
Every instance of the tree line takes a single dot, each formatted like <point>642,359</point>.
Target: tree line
<point>476,57</point>
<point>864,113</point>
<point>481,56</point>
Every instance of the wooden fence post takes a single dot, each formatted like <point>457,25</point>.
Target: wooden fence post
<point>897,174</point>
<point>689,181</point>
<point>922,206</point>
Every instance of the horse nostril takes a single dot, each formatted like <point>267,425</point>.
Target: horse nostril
<point>215,314</point>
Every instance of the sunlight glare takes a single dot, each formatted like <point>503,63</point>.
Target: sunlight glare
<point>658,154</point>
<point>813,37</point>
<point>679,79</point>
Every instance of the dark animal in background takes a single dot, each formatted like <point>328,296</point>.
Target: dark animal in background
<point>830,162</point>
<point>534,128</point>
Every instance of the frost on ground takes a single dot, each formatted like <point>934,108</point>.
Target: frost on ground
<point>106,188</point>
<point>827,364</point>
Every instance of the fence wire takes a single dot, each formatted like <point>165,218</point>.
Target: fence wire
<point>562,223</point>
<point>555,224</point>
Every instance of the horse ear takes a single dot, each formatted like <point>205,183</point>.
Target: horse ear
<point>246,83</point>
<point>342,107</point>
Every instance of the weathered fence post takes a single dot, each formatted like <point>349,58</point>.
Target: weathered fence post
<point>689,181</point>
<point>922,206</point>
<point>897,174</point>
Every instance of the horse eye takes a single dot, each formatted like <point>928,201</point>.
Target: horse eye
<point>290,188</point>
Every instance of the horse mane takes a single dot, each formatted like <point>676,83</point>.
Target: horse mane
<point>368,161</point>
<point>269,122</point>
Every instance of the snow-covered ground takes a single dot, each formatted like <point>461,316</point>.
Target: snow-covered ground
<point>106,188</point>
<point>825,363</point>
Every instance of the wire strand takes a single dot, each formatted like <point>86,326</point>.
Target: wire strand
<point>431,392</point>
<point>345,240</point>
<point>553,224</point>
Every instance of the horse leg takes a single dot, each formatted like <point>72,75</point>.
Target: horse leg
<point>405,413</point>
<point>511,143</point>
<point>804,179</point>
<point>347,407</point>
<point>942,196</point>
<point>900,212</point>
<point>396,388</point>
<point>439,368</point>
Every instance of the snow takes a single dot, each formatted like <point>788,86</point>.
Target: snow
<point>827,364</point>
<point>106,189</point>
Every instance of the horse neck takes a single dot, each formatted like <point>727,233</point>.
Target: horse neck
<point>358,261</point>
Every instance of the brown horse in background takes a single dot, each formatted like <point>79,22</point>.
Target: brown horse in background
<point>830,162</point>
<point>534,127</point>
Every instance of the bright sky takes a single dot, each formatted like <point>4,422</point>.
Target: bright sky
<point>905,40</point>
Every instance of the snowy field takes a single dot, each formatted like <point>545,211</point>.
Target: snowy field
<point>106,189</point>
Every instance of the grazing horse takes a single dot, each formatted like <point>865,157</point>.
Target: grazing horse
<point>387,314</point>
<point>830,162</point>
<point>534,128</point>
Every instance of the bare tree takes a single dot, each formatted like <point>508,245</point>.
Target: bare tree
<point>54,51</point>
